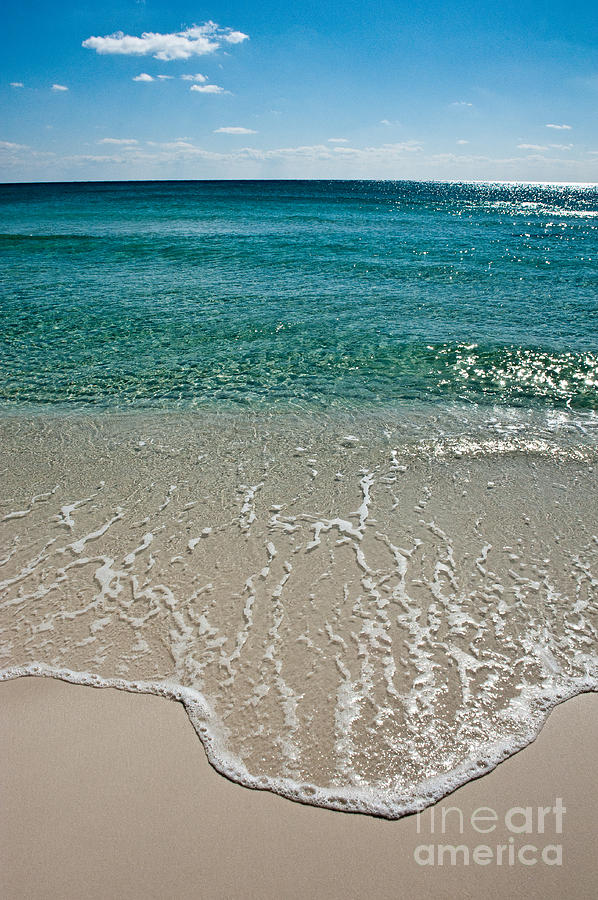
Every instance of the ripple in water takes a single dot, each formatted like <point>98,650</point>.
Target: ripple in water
<point>351,618</point>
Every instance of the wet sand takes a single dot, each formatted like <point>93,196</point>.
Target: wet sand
<point>109,794</point>
<point>354,619</point>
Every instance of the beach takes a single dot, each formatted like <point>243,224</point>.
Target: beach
<point>307,471</point>
<point>110,794</point>
<point>360,621</point>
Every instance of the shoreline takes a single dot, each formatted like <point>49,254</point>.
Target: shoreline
<point>346,798</point>
<point>437,645</point>
<point>136,810</point>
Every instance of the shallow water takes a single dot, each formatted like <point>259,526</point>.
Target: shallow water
<point>356,619</point>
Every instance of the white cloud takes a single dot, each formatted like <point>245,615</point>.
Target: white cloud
<point>183,159</point>
<point>121,141</point>
<point>208,89</point>
<point>545,147</point>
<point>165,77</point>
<point>386,150</point>
<point>59,87</point>
<point>199,77</point>
<point>17,84</point>
<point>178,144</point>
<point>319,152</point>
<point>8,145</point>
<point>195,41</point>
<point>234,129</point>
<point>338,140</point>
<point>462,142</point>
<point>461,104</point>
<point>560,127</point>
<point>236,37</point>
<point>405,146</point>
<point>143,77</point>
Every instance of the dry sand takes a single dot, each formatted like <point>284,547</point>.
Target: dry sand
<point>108,794</point>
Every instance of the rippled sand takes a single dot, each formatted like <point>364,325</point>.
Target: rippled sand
<point>353,616</point>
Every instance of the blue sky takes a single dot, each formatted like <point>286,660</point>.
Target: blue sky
<point>457,90</point>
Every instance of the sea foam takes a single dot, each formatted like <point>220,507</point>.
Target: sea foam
<point>366,642</point>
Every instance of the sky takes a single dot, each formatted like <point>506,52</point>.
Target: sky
<point>148,89</point>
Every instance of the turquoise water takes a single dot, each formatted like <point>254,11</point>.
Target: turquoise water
<point>305,294</point>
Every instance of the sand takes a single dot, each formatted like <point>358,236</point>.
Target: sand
<point>109,794</point>
<point>364,611</point>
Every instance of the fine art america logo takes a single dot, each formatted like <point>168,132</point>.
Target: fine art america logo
<point>520,836</point>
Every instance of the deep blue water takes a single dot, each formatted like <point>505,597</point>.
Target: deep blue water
<point>298,293</point>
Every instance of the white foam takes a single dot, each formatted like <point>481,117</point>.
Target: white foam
<point>369,614</point>
<point>530,711</point>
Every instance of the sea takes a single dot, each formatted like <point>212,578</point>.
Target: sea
<point>317,459</point>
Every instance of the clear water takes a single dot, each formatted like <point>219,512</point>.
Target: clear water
<point>298,293</point>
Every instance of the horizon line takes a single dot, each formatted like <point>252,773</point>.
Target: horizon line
<point>305,180</point>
